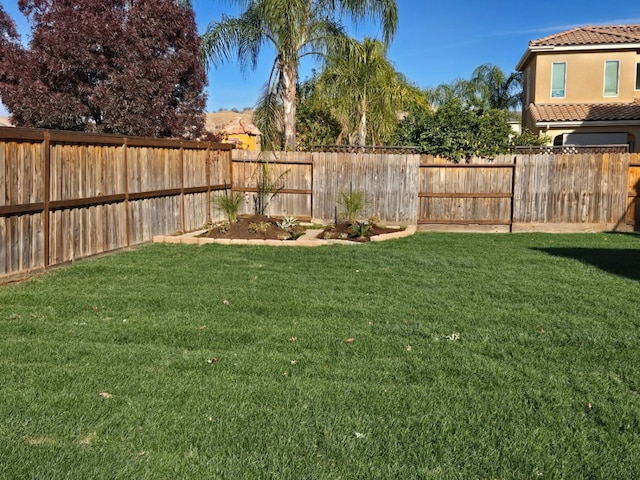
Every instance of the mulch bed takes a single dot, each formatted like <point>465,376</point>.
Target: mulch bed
<point>260,227</point>
<point>345,231</point>
<point>253,227</point>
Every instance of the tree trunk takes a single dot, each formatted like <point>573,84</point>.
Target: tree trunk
<point>289,75</point>
<point>362,128</point>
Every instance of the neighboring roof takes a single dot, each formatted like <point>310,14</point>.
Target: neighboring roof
<point>238,126</point>
<point>590,36</point>
<point>603,112</point>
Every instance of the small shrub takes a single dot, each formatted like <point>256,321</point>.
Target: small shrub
<point>295,234</point>
<point>230,204</point>
<point>268,185</point>
<point>361,229</point>
<point>287,223</point>
<point>260,227</point>
<point>353,204</point>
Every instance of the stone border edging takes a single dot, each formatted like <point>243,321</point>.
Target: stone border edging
<point>307,240</point>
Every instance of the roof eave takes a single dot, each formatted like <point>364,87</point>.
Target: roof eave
<point>587,123</point>
<point>572,48</point>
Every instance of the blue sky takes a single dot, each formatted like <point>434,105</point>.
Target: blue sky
<point>436,41</point>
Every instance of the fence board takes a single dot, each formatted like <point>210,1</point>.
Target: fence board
<point>386,180</point>
<point>478,192</point>
<point>294,171</point>
<point>581,188</point>
<point>80,184</point>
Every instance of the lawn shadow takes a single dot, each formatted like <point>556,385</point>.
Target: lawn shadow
<point>623,262</point>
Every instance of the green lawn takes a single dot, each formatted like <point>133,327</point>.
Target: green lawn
<point>473,357</point>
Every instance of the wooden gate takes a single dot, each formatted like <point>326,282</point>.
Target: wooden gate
<point>633,191</point>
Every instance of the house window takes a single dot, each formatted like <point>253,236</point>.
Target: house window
<point>637,76</point>
<point>558,79</point>
<point>611,76</point>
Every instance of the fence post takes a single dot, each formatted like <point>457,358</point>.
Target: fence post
<point>46,194</point>
<point>181,187</point>
<point>513,192</point>
<point>207,170</point>
<point>127,219</point>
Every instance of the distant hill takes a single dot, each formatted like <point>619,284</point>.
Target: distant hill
<point>214,121</point>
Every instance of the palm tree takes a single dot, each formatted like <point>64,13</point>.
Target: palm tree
<point>295,29</point>
<point>364,91</point>
<point>494,89</point>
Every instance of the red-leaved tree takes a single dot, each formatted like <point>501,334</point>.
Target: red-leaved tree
<point>129,67</point>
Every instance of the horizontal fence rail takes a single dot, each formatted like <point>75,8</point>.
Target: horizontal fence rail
<point>65,195</point>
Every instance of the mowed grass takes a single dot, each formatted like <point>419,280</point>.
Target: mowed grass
<point>439,356</point>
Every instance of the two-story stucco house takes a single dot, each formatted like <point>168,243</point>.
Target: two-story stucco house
<point>582,86</point>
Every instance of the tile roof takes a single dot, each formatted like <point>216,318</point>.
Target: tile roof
<point>584,112</point>
<point>591,35</point>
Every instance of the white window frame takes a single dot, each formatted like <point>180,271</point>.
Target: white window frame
<point>604,80</point>
<point>564,80</point>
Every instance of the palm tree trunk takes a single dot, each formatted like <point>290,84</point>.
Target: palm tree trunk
<point>288,78</point>
<point>362,128</point>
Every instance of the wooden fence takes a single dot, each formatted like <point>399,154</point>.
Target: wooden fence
<point>589,189</point>
<point>65,196</point>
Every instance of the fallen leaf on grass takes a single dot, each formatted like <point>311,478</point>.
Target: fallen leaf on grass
<point>453,337</point>
<point>285,374</point>
<point>294,362</point>
<point>292,339</point>
<point>350,340</point>
<point>359,435</point>
<point>105,395</point>
<point>408,348</point>
<point>212,360</point>
<point>202,327</point>
<point>226,302</point>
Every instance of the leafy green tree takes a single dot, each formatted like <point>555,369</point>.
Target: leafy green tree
<point>529,139</point>
<point>295,29</point>
<point>455,131</point>
<point>364,91</point>
<point>314,123</point>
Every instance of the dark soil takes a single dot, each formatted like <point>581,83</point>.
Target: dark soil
<point>254,227</point>
<point>259,227</point>
<point>347,231</point>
